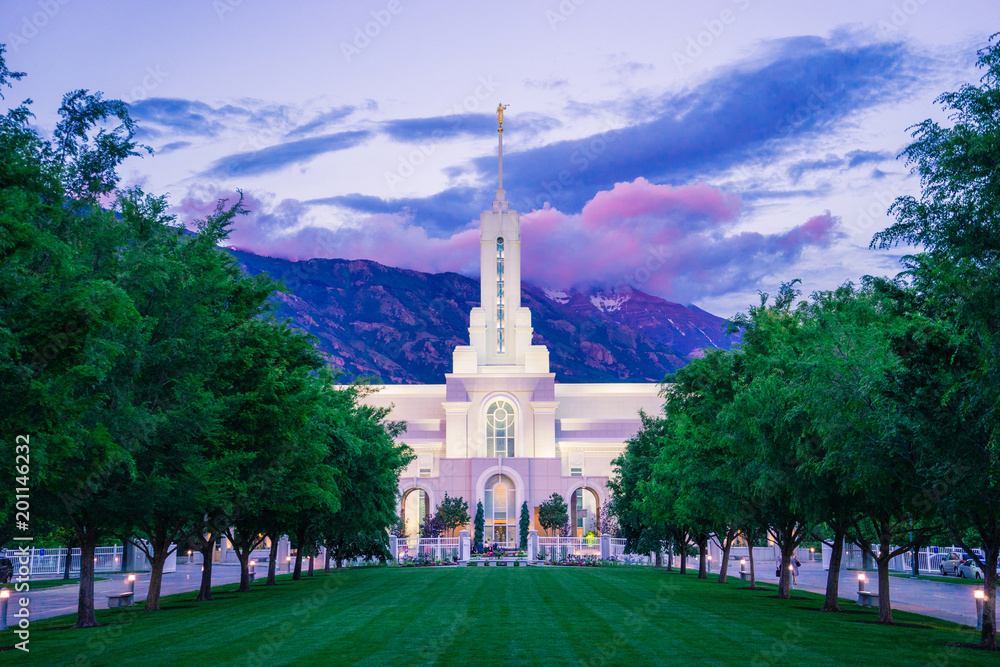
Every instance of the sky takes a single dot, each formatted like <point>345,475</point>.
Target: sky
<point>702,152</point>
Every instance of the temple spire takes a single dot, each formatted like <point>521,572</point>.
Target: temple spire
<point>500,108</point>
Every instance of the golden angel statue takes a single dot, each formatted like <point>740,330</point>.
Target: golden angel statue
<point>500,108</point>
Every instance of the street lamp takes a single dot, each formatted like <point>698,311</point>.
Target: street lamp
<point>288,560</point>
<point>812,550</point>
<point>743,565</point>
<point>980,598</point>
<point>709,564</point>
<point>861,582</point>
<point>4,596</point>
<point>131,583</point>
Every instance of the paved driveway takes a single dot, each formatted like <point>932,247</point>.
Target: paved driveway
<point>48,602</point>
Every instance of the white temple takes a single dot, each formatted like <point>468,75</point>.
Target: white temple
<point>501,429</point>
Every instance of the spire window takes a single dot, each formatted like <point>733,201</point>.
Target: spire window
<point>500,297</point>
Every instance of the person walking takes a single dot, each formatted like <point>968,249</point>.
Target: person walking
<point>795,568</point>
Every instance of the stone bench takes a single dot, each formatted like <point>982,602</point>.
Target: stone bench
<point>501,562</point>
<point>745,576</point>
<point>867,599</point>
<point>121,600</point>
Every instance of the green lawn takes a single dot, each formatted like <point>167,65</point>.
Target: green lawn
<point>503,616</point>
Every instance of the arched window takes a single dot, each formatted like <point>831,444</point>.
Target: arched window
<point>500,429</point>
<point>584,512</point>
<point>500,297</point>
<point>415,511</point>
<point>500,509</point>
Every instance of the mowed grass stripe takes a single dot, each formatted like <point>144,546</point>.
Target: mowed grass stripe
<point>538,615</point>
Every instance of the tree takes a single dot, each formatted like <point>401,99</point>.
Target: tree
<point>952,353</point>
<point>369,481</point>
<point>767,424</point>
<point>452,513</point>
<point>524,525</point>
<point>480,525</point>
<point>629,503</point>
<point>70,333</point>
<point>553,513</point>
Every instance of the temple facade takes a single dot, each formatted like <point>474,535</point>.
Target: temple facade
<point>502,430</point>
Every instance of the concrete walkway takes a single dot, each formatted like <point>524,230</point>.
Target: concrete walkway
<point>49,602</point>
<point>950,602</point>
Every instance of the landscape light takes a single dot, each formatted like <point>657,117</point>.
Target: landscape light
<point>4,595</point>
<point>861,576</point>
<point>980,599</point>
<point>131,577</point>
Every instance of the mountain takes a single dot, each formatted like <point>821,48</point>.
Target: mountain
<point>402,325</point>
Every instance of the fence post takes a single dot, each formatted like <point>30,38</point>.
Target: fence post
<point>532,545</point>
<point>605,547</point>
<point>464,545</point>
<point>394,547</point>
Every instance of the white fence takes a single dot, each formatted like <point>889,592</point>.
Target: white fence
<point>51,563</point>
<point>928,559</point>
<point>429,548</point>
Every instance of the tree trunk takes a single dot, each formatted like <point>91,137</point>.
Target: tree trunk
<point>832,600</point>
<point>85,616</point>
<point>271,561</point>
<point>702,555</point>
<point>156,564</point>
<point>207,551</point>
<point>244,557</point>
<point>326,564</point>
<point>727,547</point>
<point>988,637</point>
<point>70,545</point>
<point>884,604</point>
<point>658,558</point>
<point>682,556</point>
<point>312,558</point>
<point>785,580</point>
<point>340,558</point>
<point>159,547</point>
<point>297,572</point>
<point>125,546</point>
<point>753,579</point>
<point>670,556</point>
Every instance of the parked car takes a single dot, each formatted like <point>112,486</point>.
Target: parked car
<point>969,570</point>
<point>950,564</point>
<point>6,570</point>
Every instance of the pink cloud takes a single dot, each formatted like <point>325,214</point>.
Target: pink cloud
<point>666,240</point>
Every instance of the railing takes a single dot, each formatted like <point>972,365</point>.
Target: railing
<point>560,548</point>
<point>52,562</point>
<point>427,548</point>
<point>928,559</point>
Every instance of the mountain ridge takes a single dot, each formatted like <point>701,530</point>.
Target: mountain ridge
<point>402,325</point>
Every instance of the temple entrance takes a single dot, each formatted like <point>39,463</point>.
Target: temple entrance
<point>584,512</point>
<point>500,509</point>
<point>416,511</point>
